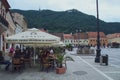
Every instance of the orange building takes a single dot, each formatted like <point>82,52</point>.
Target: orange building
<point>92,37</point>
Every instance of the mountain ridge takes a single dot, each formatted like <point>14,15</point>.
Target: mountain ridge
<point>66,21</point>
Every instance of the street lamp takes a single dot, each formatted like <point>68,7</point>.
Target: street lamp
<point>98,50</point>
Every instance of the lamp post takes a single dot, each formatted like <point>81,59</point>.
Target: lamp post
<point>98,50</point>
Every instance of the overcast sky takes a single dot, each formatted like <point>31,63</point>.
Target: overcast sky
<point>109,10</point>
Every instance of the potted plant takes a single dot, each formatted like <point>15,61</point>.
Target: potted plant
<point>61,59</point>
<point>69,47</point>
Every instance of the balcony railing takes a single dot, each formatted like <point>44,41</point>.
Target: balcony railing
<point>3,21</point>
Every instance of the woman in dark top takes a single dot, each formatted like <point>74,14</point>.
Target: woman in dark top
<point>3,61</point>
<point>17,54</point>
<point>27,54</point>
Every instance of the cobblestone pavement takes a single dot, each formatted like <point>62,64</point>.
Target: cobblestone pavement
<point>83,68</point>
<point>110,70</point>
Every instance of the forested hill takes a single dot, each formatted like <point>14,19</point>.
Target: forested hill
<point>66,21</point>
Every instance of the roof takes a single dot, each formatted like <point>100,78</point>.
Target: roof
<point>58,34</point>
<point>44,30</point>
<point>81,36</point>
<point>115,35</point>
<point>6,4</point>
<point>94,35</point>
<point>33,36</point>
<point>68,36</point>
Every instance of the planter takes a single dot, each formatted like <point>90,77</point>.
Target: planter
<point>60,70</point>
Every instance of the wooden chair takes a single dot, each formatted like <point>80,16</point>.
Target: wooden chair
<point>16,64</point>
<point>27,61</point>
<point>46,64</point>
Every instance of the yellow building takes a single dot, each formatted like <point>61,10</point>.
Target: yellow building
<point>92,37</point>
<point>113,38</point>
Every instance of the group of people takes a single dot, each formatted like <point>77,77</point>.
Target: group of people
<point>27,53</point>
<point>46,57</point>
<point>15,53</point>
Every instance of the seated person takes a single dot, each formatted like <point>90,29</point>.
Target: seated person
<point>17,60</point>
<point>17,54</point>
<point>51,51</point>
<point>27,57</point>
<point>3,61</point>
<point>11,52</point>
<point>27,54</point>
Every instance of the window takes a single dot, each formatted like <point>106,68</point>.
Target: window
<point>7,46</point>
<point>3,37</point>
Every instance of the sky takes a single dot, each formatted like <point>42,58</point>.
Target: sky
<point>109,10</point>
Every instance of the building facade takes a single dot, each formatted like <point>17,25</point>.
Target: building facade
<point>4,24</point>
<point>81,39</point>
<point>92,37</point>
<point>20,22</point>
<point>10,24</point>
<point>68,39</point>
<point>113,39</point>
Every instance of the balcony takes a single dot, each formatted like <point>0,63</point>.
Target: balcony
<point>3,21</point>
<point>3,24</point>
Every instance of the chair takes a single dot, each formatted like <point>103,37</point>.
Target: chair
<point>16,64</point>
<point>27,61</point>
<point>46,64</point>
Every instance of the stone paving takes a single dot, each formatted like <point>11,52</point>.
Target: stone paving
<point>110,70</point>
<point>83,68</point>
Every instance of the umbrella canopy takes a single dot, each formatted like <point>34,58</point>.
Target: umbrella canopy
<point>33,36</point>
<point>60,43</point>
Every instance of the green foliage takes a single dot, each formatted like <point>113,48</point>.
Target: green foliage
<point>61,57</point>
<point>58,50</point>
<point>66,21</point>
<point>69,47</point>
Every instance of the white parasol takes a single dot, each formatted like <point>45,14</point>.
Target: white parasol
<point>33,37</point>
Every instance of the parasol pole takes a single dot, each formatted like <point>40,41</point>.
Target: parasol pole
<point>34,56</point>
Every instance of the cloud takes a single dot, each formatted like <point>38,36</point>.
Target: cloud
<point>108,9</point>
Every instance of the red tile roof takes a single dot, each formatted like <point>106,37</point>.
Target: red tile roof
<point>43,30</point>
<point>94,35</point>
<point>68,36</point>
<point>115,35</point>
<point>81,36</point>
<point>58,34</point>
